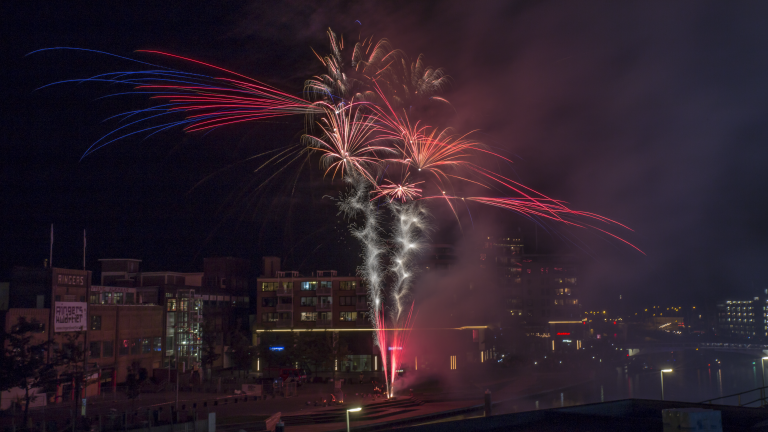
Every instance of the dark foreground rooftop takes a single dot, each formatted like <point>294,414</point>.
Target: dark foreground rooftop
<point>623,415</point>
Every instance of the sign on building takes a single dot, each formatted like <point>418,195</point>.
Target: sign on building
<point>70,316</point>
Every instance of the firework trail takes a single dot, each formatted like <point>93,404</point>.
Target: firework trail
<point>356,203</point>
<point>408,226</point>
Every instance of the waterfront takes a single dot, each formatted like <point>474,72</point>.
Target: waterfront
<point>697,376</point>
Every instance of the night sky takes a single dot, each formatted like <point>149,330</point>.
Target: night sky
<point>654,114</point>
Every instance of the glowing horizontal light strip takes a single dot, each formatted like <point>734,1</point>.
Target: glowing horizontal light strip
<point>566,322</point>
<point>366,329</point>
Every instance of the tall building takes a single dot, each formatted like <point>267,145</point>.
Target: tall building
<point>322,301</point>
<point>743,318</point>
<point>116,330</point>
<point>219,294</point>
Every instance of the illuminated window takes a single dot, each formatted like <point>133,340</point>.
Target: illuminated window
<point>288,286</point>
<point>347,316</point>
<point>269,286</point>
<point>326,284</point>
<point>309,286</point>
<point>171,304</point>
<point>347,285</point>
<point>309,316</point>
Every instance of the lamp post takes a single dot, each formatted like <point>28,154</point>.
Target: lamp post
<point>349,411</point>
<point>762,372</point>
<point>662,381</point>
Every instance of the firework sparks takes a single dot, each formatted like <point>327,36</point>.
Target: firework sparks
<point>403,191</point>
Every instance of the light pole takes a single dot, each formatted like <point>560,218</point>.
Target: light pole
<point>662,381</point>
<point>349,411</point>
<point>762,372</point>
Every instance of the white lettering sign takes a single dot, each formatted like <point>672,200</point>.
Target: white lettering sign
<point>65,279</point>
<point>69,316</point>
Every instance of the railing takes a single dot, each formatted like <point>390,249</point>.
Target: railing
<point>283,291</point>
<point>761,399</point>
<point>363,322</point>
<point>324,307</point>
<point>361,290</point>
<point>284,307</point>
<point>361,306</point>
<point>323,291</point>
<point>323,323</point>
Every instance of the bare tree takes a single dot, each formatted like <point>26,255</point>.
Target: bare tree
<point>24,364</point>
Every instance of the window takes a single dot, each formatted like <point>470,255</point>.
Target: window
<point>361,300</point>
<point>347,301</point>
<point>268,317</point>
<point>286,300</point>
<point>93,299</point>
<point>95,350</point>
<point>308,286</point>
<point>347,285</point>
<point>107,350</point>
<point>325,301</point>
<point>146,346</point>
<point>157,344</point>
<point>288,286</point>
<point>106,298</point>
<point>125,347</point>
<point>129,298</point>
<point>117,298</point>
<point>269,301</point>
<point>284,315</point>
<point>309,316</point>
<point>269,286</point>
<point>324,316</point>
<point>326,284</point>
<point>95,322</point>
<point>169,345</point>
<point>135,346</point>
<point>347,316</point>
<point>309,301</point>
<point>184,305</point>
<point>171,304</point>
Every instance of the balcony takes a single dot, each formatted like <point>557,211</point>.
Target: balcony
<point>323,291</point>
<point>283,291</point>
<point>323,323</point>
<point>361,290</point>
<point>324,307</point>
<point>361,306</point>
<point>285,307</point>
<point>362,322</point>
<point>284,323</point>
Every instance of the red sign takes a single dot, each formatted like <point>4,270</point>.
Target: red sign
<point>563,334</point>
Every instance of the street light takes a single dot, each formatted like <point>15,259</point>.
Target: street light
<point>349,411</point>
<point>662,381</point>
<point>762,372</point>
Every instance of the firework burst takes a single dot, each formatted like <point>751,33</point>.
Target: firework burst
<point>365,137</point>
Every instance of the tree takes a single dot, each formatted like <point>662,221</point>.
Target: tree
<point>242,352</point>
<point>340,353</point>
<point>24,364</point>
<point>209,350</point>
<point>137,375</point>
<point>73,357</point>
